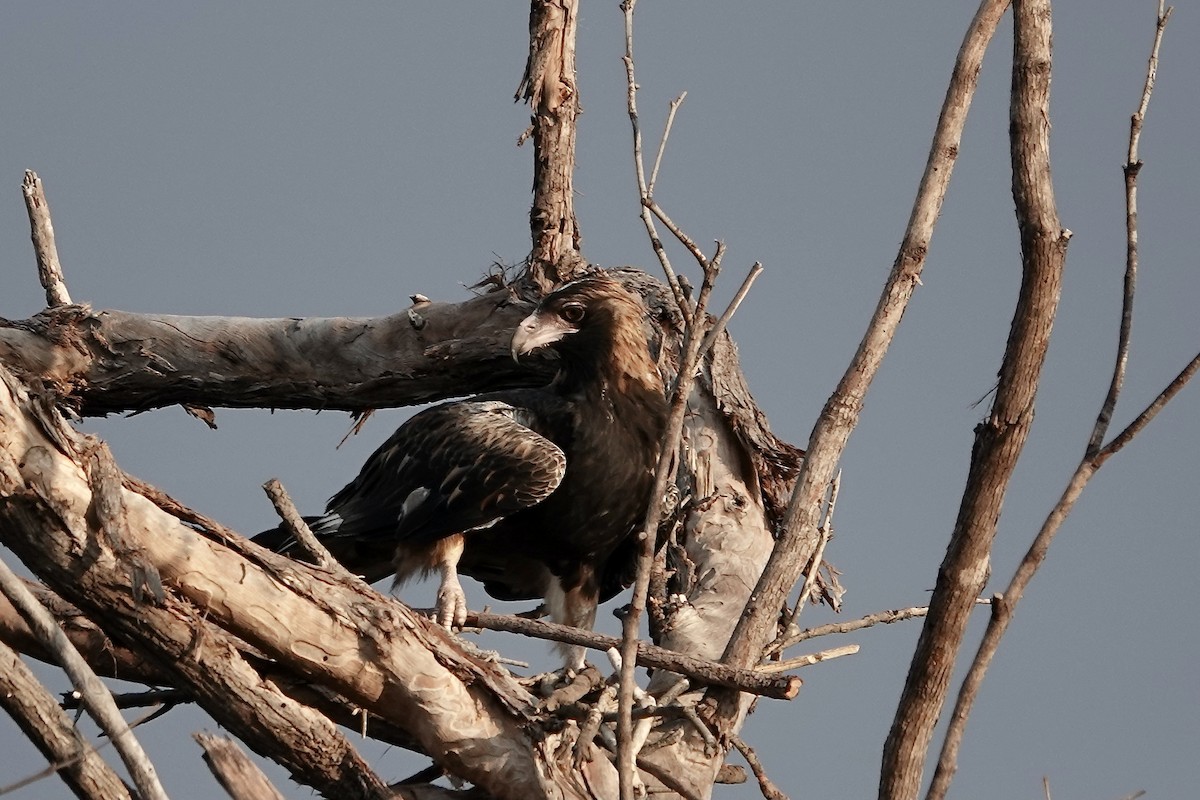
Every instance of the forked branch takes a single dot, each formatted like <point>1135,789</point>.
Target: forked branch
<point>1094,457</point>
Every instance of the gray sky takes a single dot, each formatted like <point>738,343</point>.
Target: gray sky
<point>321,159</point>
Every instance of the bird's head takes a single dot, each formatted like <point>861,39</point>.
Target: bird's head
<point>585,315</point>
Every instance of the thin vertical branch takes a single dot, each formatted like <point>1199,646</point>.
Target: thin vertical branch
<point>626,756</point>
<point>41,231</point>
<point>1003,605</point>
<point>627,8</point>
<point>1133,166</point>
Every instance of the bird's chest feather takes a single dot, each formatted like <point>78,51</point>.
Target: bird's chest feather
<point>609,472</point>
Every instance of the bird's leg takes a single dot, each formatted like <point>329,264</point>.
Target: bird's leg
<point>575,607</point>
<point>451,602</point>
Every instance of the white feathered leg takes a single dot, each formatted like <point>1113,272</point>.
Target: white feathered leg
<point>577,608</point>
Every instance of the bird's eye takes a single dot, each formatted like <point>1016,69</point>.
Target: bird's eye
<point>573,313</point>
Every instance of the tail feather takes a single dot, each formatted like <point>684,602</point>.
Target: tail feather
<point>372,559</point>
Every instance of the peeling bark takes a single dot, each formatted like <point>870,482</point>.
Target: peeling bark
<point>103,362</point>
<point>549,87</point>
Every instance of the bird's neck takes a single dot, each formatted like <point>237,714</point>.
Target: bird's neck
<point>621,371</point>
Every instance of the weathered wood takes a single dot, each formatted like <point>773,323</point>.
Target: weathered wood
<point>238,775</point>
<point>38,715</point>
<point>1000,438</point>
<point>468,712</point>
<point>549,87</point>
<point>103,362</point>
<point>700,670</point>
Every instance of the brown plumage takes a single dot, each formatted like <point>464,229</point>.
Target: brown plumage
<point>534,492</point>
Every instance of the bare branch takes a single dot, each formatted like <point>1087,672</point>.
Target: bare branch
<point>239,776</point>
<point>103,362</point>
<point>41,230</point>
<point>798,539</point>
<point>878,618</point>
<point>810,659</point>
<point>96,697</point>
<point>1004,605</point>
<point>769,790</point>
<point>825,532</point>
<point>298,527</point>
<point>1000,439</point>
<point>648,655</point>
<point>718,327</point>
<point>662,143</point>
<point>1133,166</point>
<point>38,715</point>
<point>647,535</point>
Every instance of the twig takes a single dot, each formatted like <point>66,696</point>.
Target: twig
<point>719,326</point>
<point>1094,457</point>
<point>1133,166</point>
<point>656,244</point>
<point>95,694</point>
<point>809,660</point>
<point>878,618</point>
<point>825,531</point>
<point>41,231</point>
<point>648,655</point>
<point>768,788</point>
<point>675,230</point>
<point>662,143</point>
<point>297,526</point>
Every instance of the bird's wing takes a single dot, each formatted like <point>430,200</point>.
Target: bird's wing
<point>450,469</point>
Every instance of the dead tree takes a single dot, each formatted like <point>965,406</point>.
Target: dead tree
<point>283,654</point>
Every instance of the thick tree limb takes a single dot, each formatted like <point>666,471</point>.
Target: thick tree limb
<point>549,87</point>
<point>103,362</point>
<point>999,439</point>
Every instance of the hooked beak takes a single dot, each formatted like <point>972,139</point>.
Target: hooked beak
<point>534,332</point>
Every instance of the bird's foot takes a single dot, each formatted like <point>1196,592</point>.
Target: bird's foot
<point>451,609</point>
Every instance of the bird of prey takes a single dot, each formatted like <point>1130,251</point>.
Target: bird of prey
<point>535,492</point>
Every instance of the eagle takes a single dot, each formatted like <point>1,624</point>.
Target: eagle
<point>537,493</point>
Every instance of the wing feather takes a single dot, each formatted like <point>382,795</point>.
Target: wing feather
<point>452,468</point>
